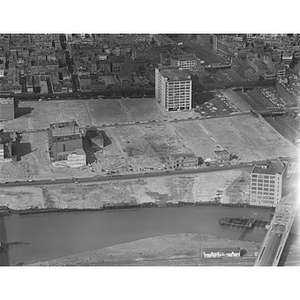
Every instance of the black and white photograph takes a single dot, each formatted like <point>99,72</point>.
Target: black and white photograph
<point>149,148</point>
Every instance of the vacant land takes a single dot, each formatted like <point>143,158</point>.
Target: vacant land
<point>177,249</point>
<point>160,190</point>
<point>142,109</point>
<point>32,115</point>
<point>149,145</point>
<point>196,139</point>
<point>249,137</point>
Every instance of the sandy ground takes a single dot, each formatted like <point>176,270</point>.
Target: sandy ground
<point>22,197</point>
<point>200,143</point>
<point>159,190</point>
<point>250,138</point>
<point>178,249</point>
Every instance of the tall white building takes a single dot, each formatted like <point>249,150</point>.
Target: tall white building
<point>267,182</point>
<point>173,89</point>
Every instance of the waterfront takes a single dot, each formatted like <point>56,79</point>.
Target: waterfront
<point>40,237</point>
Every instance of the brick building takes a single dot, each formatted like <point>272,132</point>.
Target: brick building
<point>65,143</point>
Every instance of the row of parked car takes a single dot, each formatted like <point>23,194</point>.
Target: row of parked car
<point>272,96</point>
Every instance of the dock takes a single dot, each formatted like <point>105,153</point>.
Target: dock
<point>244,223</point>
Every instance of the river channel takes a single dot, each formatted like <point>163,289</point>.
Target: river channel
<point>32,238</point>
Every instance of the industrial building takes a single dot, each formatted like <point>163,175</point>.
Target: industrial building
<point>178,161</point>
<point>173,89</point>
<point>222,156</point>
<point>7,140</point>
<point>221,252</point>
<point>267,182</point>
<point>7,109</point>
<point>184,61</point>
<point>65,144</point>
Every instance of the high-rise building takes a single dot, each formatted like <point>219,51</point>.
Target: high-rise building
<point>267,181</point>
<point>173,89</point>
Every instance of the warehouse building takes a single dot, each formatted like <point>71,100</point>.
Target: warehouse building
<point>65,144</point>
<point>7,141</point>
<point>173,89</point>
<point>7,109</point>
<point>178,161</point>
<point>266,187</point>
<point>221,252</point>
<point>185,61</point>
<point>222,156</point>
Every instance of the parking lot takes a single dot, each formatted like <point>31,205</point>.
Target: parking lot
<point>272,95</point>
<point>218,104</point>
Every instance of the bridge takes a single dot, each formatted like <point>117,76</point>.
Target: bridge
<point>278,232</point>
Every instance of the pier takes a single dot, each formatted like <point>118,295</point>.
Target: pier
<point>246,224</point>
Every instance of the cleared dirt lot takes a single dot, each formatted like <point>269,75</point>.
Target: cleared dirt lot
<point>149,145</point>
<point>39,114</point>
<point>110,111</point>
<point>160,190</point>
<point>196,138</point>
<point>249,137</point>
<point>143,109</point>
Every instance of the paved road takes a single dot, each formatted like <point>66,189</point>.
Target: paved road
<point>99,178</point>
<point>271,250</point>
<point>126,176</point>
<point>202,52</point>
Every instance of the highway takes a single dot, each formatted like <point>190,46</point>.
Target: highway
<point>276,237</point>
<point>271,250</point>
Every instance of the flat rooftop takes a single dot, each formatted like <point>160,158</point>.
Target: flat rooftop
<point>175,75</point>
<point>183,57</point>
<point>272,168</point>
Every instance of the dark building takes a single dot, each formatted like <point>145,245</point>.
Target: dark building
<point>178,161</point>
<point>104,66</point>
<point>6,145</point>
<point>95,139</point>
<point>65,142</point>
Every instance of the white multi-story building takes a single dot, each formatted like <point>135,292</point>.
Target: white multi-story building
<point>173,89</point>
<point>185,61</point>
<point>267,182</point>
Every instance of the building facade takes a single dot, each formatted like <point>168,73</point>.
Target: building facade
<point>266,187</point>
<point>221,252</point>
<point>184,62</point>
<point>222,156</point>
<point>173,89</point>
<point>7,141</point>
<point>65,144</point>
<point>178,161</point>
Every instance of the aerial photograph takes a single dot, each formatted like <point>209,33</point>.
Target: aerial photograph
<point>149,149</point>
